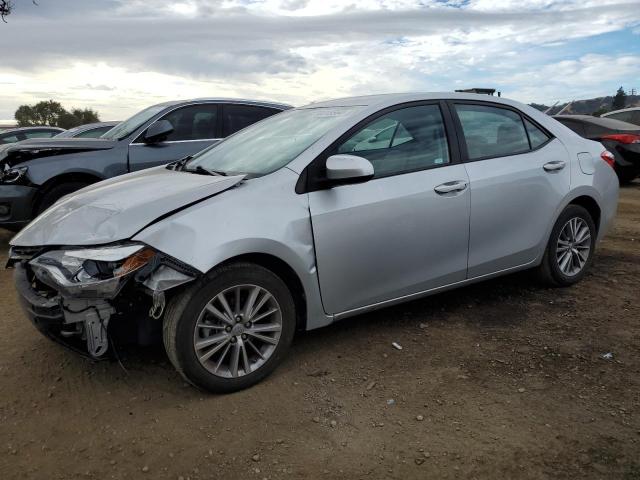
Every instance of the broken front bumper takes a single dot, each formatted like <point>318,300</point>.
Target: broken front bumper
<point>82,322</point>
<point>44,311</point>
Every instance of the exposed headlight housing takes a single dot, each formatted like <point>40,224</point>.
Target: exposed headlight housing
<point>13,175</point>
<point>98,272</point>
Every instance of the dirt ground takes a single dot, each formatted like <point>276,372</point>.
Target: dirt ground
<point>499,380</point>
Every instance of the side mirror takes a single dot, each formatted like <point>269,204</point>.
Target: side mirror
<point>158,131</point>
<point>343,169</point>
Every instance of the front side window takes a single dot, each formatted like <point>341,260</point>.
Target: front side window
<point>492,131</point>
<point>265,147</point>
<point>195,122</point>
<point>237,117</point>
<point>126,128</point>
<point>401,141</point>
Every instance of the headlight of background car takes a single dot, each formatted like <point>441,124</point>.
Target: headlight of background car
<point>13,175</point>
<point>90,272</point>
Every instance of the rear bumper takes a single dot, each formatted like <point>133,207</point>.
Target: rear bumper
<point>16,205</point>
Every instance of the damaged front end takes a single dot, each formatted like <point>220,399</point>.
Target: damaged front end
<point>73,295</point>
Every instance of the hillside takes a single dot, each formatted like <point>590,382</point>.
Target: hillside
<point>589,106</point>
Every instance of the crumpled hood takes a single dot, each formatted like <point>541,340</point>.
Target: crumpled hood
<point>118,208</point>
<point>18,152</point>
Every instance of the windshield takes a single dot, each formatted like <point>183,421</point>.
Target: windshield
<point>272,143</point>
<point>126,128</point>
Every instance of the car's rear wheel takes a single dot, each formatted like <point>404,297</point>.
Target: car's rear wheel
<point>232,329</point>
<point>570,249</point>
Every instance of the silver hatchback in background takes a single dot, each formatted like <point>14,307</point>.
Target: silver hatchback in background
<point>310,216</point>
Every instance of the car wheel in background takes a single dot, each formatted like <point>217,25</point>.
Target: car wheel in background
<point>55,193</point>
<point>569,252</point>
<point>230,330</point>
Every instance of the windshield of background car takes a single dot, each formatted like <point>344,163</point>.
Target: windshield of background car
<point>272,143</point>
<point>126,128</point>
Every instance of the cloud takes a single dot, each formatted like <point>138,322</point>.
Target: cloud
<point>302,50</point>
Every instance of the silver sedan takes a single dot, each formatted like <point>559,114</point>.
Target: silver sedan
<point>313,215</point>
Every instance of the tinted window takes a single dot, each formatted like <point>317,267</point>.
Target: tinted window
<point>196,122</point>
<point>8,138</point>
<point>93,133</point>
<point>401,141</point>
<point>492,131</point>
<point>536,136</point>
<point>237,117</point>
<point>40,134</point>
<point>622,116</point>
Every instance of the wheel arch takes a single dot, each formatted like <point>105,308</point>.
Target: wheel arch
<point>61,179</point>
<point>590,205</point>
<point>288,275</point>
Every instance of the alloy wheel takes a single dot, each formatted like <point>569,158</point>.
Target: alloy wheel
<point>237,331</point>
<point>573,246</point>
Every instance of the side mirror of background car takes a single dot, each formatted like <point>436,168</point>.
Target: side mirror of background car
<point>158,131</point>
<point>343,169</point>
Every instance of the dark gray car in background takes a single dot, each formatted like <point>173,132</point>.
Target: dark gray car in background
<point>34,175</point>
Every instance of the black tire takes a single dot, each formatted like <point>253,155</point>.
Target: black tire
<point>183,311</point>
<point>626,175</point>
<point>56,192</point>
<point>549,271</point>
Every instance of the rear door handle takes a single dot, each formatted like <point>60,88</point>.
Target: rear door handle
<point>554,166</point>
<point>448,187</point>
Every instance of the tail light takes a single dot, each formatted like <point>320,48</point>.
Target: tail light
<point>626,138</point>
<point>608,157</point>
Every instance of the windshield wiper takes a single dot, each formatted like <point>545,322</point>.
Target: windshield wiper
<point>205,171</point>
<point>179,165</point>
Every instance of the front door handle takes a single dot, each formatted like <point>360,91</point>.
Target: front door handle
<point>554,166</point>
<point>448,187</point>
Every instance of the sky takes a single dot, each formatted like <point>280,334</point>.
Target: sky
<point>119,56</point>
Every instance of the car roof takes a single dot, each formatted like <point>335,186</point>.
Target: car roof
<point>610,123</point>
<point>242,101</point>
<point>388,99</point>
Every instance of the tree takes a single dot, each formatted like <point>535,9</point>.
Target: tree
<point>600,111</point>
<point>53,114</point>
<point>619,99</point>
<point>6,7</point>
<point>77,117</point>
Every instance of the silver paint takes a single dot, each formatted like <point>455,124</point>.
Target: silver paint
<point>354,247</point>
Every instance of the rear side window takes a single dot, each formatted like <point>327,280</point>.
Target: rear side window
<point>40,134</point>
<point>536,136</point>
<point>401,141</point>
<point>622,116</point>
<point>195,122</point>
<point>492,131</point>
<point>237,117</point>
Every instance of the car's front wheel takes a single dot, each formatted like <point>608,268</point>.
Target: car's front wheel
<point>570,249</point>
<point>232,329</point>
